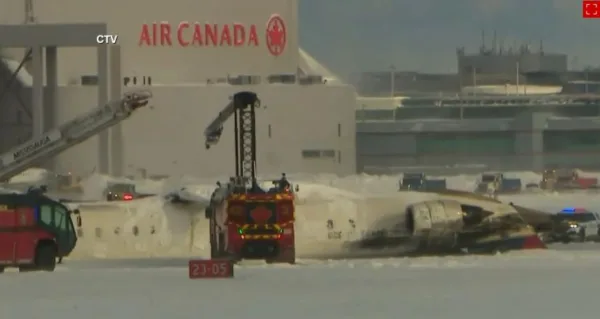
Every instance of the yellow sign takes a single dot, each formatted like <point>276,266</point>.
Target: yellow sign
<point>268,236</point>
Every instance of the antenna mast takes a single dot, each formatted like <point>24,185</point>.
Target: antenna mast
<point>29,13</point>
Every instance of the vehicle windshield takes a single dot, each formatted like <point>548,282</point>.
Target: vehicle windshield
<point>55,216</point>
<point>577,217</point>
<point>488,178</point>
<point>565,178</point>
<point>412,181</point>
<point>60,218</point>
<point>121,188</point>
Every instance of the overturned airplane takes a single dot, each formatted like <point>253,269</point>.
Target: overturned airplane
<point>456,222</point>
<point>420,223</point>
<point>392,225</point>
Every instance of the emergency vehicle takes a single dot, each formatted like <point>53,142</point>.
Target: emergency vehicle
<point>246,220</point>
<point>119,192</point>
<point>253,225</point>
<point>575,224</point>
<point>35,231</point>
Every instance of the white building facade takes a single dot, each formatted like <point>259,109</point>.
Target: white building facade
<point>193,55</point>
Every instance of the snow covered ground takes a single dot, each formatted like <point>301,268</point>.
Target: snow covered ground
<point>535,285</point>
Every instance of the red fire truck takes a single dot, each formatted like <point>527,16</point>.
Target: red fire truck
<point>253,225</point>
<point>35,231</point>
<point>246,221</point>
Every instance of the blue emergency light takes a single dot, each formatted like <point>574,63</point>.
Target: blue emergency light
<point>571,210</point>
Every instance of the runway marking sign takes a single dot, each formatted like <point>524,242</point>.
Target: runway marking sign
<point>210,268</point>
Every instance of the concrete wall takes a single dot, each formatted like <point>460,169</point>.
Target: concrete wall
<point>170,63</point>
<point>168,137</point>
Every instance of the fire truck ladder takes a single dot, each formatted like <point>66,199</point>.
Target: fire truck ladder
<point>70,134</point>
<point>242,107</point>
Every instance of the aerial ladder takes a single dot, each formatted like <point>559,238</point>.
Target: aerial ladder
<point>70,134</point>
<point>246,221</point>
<point>242,107</point>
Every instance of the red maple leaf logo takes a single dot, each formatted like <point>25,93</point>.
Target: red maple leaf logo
<point>276,35</point>
<point>261,215</point>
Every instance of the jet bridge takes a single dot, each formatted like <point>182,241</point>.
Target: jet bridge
<point>70,134</point>
<point>41,41</point>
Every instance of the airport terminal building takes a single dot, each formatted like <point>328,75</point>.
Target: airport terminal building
<point>504,133</point>
<point>506,109</point>
<point>192,55</point>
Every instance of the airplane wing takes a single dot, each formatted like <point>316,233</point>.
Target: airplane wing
<point>187,196</point>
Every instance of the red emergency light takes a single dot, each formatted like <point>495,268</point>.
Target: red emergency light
<point>127,197</point>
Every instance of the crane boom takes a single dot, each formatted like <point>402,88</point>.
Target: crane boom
<point>241,107</point>
<point>70,134</point>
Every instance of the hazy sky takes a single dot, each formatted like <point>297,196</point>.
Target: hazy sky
<point>352,35</point>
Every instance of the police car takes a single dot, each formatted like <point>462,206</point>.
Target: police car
<point>576,224</point>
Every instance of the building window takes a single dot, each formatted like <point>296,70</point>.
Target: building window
<point>584,141</point>
<point>318,154</point>
<point>458,143</point>
<point>311,153</point>
<point>328,153</point>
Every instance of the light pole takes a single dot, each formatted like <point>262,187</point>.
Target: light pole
<point>393,89</point>
<point>392,81</point>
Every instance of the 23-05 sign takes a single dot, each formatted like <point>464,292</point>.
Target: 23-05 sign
<point>211,268</point>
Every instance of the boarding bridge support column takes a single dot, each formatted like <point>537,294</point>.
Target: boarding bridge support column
<point>529,146</point>
<point>51,95</point>
<point>103,149</point>
<point>116,133</point>
<point>37,101</point>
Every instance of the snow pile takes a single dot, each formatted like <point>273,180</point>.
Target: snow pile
<point>33,176</point>
<point>147,227</point>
